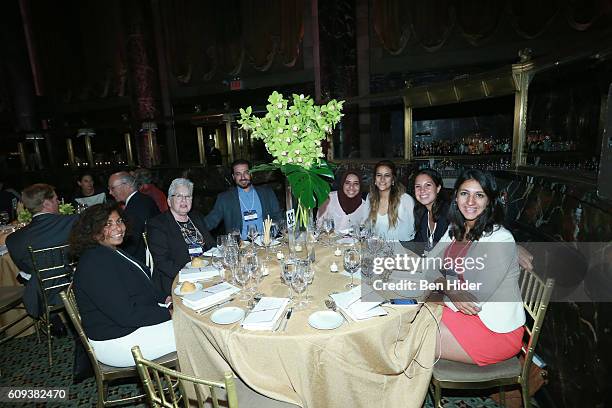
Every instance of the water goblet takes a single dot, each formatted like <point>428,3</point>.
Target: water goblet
<point>252,233</point>
<point>242,275</point>
<point>287,271</point>
<point>352,261</point>
<point>299,282</point>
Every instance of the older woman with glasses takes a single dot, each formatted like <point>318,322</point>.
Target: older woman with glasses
<point>119,305</point>
<point>177,235</point>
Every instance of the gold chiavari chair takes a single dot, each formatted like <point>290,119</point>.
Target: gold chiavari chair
<point>106,374</point>
<point>454,375</point>
<point>54,269</point>
<point>157,378</point>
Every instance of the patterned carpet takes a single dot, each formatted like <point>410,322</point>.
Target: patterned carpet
<point>23,363</point>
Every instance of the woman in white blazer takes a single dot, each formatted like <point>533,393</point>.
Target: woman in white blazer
<point>483,317</point>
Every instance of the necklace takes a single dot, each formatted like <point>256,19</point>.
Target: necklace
<point>190,235</point>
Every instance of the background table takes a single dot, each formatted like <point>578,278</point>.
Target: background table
<point>8,277</point>
<point>382,362</point>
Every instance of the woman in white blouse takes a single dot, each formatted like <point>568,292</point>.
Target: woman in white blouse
<point>345,206</point>
<point>390,208</point>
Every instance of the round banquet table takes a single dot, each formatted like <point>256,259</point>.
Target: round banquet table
<point>383,361</point>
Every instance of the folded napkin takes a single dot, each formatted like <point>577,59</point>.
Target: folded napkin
<point>3,250</point>
<point>197,274</point>
<point>214,251</point>
<point>266,314</point>
<point>209,296</point>
<point>346,241</point>
<point>350,302</point>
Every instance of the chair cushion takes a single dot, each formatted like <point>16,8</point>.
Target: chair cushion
<point>446,370</point>
<point>169,360</point>
<point>10,296</point>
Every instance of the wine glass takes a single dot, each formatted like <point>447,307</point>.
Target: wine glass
<point>242,275</point>
<point>352,261</point>
<point>231,258</point>
<point>328,225</point>
<point>299,281</point>
<point>250,259</point>
<point>309,275</point>
<point>287,272</point>
<point>252,233</point>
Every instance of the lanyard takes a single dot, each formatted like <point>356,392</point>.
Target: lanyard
<point>252,201</point>
<point>136,264</point>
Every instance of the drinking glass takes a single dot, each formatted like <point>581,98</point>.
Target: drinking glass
<point>309,275</point>
<point>352,261</point>
<point>231,258</point>
<point>299,282</point>
<point>287,271</point>
<point>328,226</point>
<point>250,259</point>
<point>242,275</point>
<point>252,233</point>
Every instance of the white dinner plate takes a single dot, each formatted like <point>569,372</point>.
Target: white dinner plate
<point>227,315</point>
<point>178,291</point>
<point>204,263</point>
<point>325,320</point>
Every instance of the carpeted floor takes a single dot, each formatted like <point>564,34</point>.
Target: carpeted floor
<point>23,363</point>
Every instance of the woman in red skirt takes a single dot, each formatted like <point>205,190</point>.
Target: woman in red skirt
<point>483,317</point>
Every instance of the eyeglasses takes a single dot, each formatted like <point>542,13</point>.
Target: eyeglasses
<point>180,197</point>
<point>111,188</point>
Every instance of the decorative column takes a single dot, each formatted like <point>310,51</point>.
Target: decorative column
<point>523,74</point>
<point>87,134</point>
<point>128,149</point>
<point>201,146</point>
<point>22,156</point>
<point>70,148</point>
<point>143,80</point>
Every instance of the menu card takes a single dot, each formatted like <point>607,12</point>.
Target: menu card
<point>266,314</point>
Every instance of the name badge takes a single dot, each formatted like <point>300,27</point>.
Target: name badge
<point>250,215</point>
<point>195,250</point>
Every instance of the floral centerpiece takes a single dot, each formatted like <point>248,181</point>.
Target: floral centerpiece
<point>24,216</point>
<point>293,134</point>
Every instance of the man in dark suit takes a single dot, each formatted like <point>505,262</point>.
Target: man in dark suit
<point>47,229</point>
<point>244,204</point>
<point>138,209</point>
<point>176,235</point>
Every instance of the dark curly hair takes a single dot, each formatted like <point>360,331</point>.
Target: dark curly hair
<point>90,225</point>
<point>491,217</point>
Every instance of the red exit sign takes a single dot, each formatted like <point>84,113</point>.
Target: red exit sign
<point>235,85</point>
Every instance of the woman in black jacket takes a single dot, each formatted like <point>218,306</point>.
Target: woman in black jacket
<point>118,303</point>
<point>177,235</point>
<point>430,212</point>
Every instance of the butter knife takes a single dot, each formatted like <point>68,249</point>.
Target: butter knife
<point>287,317</point>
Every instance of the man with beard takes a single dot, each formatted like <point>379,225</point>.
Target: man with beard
<point>244,204</point>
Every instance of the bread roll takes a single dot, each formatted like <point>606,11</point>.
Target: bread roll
<point>188,287</point>
<point>197,262</point>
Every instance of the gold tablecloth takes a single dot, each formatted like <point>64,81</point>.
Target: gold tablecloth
<point>382,362</point>
<point>8,277</point>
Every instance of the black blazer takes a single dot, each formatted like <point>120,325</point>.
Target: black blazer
<point>45,230</point>
<point>114,296</point>
<point>227,208</point>
<point>169,250</point>
<point>139,209</point>
<point>421,235</point>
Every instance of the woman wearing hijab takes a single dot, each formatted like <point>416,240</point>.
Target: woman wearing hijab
<point>345,206</point>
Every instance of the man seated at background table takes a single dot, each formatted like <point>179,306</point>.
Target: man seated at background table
<point>47,229</point>
<point>138,209</point>
<point>176,235</point>
<point>244,204</point>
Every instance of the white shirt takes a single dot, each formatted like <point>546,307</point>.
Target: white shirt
<point>127,200</point>
<point>404,227</point>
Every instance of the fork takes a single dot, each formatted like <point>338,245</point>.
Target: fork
<point>331,304</point>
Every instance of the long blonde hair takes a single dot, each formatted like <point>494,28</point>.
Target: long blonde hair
<point>395,194</point>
